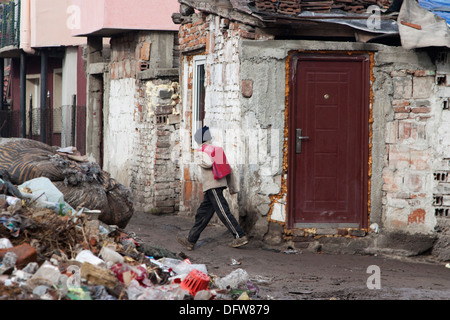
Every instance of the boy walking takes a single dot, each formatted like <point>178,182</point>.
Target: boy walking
<point>216,176</point>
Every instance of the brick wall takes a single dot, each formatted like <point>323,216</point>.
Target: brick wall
<point>123,62</point>
<point>144,122</point>
<point>410,151</point>
<point>218,39</point>
<point>192,35</point>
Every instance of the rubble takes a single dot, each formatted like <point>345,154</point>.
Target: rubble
<point>62,236</point>
<point>48,254</point>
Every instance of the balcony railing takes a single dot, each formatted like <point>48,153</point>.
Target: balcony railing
<point>10,23</point>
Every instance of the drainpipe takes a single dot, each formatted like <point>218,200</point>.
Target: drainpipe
<point>23,89</point>
<point>25,45</point>
<point>25,28</point>
<point>45,112</point>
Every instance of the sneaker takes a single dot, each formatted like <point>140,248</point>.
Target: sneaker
<point>239,242</point>
<point>185,242</point>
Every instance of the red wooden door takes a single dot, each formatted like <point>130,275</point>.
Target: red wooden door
<point>328,149</point>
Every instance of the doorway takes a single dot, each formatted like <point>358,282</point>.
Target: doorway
<point>328,141</point>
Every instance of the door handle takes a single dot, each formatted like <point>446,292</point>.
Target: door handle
<point>298,140</point>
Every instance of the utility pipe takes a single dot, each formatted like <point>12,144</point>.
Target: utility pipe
<point>25,27</point>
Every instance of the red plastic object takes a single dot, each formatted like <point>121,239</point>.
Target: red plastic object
<point>195,281</point>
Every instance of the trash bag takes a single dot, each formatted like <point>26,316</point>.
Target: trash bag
<point>83,183</point>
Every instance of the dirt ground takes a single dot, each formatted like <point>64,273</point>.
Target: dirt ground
<point>282,274</point>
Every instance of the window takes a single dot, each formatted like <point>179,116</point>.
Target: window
<point>198,99</point>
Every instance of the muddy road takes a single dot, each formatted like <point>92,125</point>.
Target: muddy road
<point>283,274</point>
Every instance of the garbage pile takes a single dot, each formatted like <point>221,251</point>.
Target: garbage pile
<point>82,183</point>
<point>51,251</point>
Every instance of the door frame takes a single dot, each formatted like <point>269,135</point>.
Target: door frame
<point>364,59</point>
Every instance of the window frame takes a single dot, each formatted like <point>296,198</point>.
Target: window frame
<point>197,118</point>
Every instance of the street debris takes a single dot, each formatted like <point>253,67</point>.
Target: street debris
<point>82,183</point>
<point>58,256</point>
<point>51,251</point>
<point>234,262</point>
<point>62,237</point>
<point>300,291</point>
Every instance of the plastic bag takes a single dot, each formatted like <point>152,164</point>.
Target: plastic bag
<point>233,280</point>
<point>5,243</point>
<point>43,189</point>
<point>88,256</point>
<point>110,255</point>
<point>126,273</point>
<point>47,274</point>
<point>181,266</point>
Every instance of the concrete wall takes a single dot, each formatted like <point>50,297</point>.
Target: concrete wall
<point>52,23</point>
<point>123,15</point>
<point>408,120</point>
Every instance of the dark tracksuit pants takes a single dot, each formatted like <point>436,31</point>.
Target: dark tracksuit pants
<point>214,201</point>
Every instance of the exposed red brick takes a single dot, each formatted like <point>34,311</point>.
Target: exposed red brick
<point>417,216</point>
<point>25,254</point>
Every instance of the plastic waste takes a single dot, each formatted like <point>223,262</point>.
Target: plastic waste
<point>40,290</point>
<point>78,294</point>
<point>47,274</point>
<point>374,227</point>
<point>42,193</point>
<point>99,293</point>
<point>234,262</point>
<point>12,200</point>
<point>180,266</point>
<point>134,290</point>
<point>126,273</point>
<point>110,255</point>
<point>8,262</point>
<point>21,276</point>
<point>244,296</point>
<point>31,268</point>
<point>253,289</point>
<point>166,292</point>
<point>41,188</point>
<point>12,223</point>
<point>88,256</point>
<point>151,293</point>
<point>233,280</point>
<point>203,295</point>
<point>195,281</point>
<point>5,243</point>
